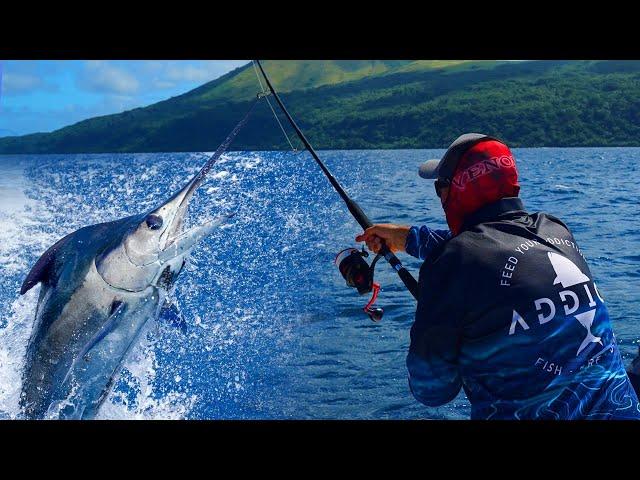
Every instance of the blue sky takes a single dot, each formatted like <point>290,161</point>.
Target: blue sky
<point>44,95</point>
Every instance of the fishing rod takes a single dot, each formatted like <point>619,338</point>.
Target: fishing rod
<point>349,261</point>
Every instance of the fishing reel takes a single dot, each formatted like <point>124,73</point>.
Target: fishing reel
<point>359,275</point>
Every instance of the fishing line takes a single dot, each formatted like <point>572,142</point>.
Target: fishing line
<point>225,144</point>
<point>265,94</point>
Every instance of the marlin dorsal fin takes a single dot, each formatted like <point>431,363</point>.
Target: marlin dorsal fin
<point>41,271</point>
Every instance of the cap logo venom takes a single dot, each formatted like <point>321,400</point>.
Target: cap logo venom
<point>482,168</point>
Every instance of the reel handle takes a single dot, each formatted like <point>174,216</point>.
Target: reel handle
<point>375,313</point>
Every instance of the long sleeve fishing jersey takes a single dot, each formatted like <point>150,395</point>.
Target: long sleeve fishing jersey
<point>509,311</point>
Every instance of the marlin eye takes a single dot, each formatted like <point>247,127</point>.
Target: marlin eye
<point>154,222</point>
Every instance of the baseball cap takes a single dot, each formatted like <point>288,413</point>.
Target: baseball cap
<point>446,166</point>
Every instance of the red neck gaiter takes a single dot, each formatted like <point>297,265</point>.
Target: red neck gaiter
<point>485,174</point>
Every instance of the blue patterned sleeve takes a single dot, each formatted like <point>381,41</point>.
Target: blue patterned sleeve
<point>432,361</point>
<point>421,241</point>
<point>434,380</point>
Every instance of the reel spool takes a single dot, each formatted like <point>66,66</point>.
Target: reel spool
<point>359,275</point>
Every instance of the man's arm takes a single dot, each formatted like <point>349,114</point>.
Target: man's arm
<point>421,241</point>
<point>432,361</point>
<point>416,241</point>
<point>432,364</point>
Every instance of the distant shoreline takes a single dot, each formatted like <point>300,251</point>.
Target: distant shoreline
<point>318,150</point>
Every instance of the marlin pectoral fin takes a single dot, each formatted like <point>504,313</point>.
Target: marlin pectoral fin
<point>117,309</point>
<point>172,316</point>
<point>42,269</point>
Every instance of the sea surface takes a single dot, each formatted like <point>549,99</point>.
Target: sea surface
<point>273,331</point>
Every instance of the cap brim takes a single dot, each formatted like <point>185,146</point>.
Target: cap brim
<point>429,169</point>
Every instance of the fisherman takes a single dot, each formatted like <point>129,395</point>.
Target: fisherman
<point>507,306</point>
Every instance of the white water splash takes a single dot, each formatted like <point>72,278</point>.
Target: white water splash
<point>17,321</point>
<point>139,373</point>
<point>13,345</point>
<point>14,204</point>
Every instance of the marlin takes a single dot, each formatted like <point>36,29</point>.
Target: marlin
<point>100,285</point>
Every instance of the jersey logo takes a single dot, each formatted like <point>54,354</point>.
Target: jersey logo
<point>586,320</point>
<point>567,273</point>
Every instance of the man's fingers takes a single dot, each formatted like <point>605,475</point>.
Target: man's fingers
<point>373,243</point>
<point>373,237</point>
<point>368,234</point>
<point>392,235</point>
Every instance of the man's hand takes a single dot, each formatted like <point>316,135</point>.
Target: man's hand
<point>394,236</point>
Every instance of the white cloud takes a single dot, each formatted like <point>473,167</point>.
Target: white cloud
<point>169,73</point>
<point>22,77</point>
<point>16,83</point>
<point>163,84</point>
<point>105,77</point>
<point>73,90</point>
<point>129,77</point>
<point>191,73</point>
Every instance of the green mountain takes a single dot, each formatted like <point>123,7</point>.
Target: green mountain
<point>378,104</point>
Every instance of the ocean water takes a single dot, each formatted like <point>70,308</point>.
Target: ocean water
<point>273,331</point>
